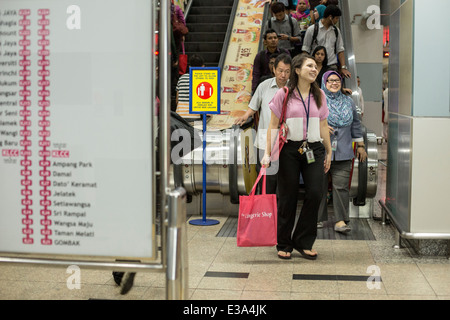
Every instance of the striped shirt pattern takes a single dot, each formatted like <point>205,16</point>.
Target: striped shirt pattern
<point>183,98</point>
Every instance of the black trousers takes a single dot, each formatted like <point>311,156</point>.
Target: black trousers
<point>292,163</point>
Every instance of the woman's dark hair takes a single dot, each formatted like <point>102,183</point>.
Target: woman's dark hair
<point>325,61</point>
<point>298,62</point>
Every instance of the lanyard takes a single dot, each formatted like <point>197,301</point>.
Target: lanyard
<point>306,110</point>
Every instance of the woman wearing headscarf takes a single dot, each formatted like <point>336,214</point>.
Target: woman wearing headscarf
<point>345,127</point>
<point>318,13</point>
<point>302,14</point>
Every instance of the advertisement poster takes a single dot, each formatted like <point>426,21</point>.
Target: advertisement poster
<point>75,145</point>
<point>238,66</point>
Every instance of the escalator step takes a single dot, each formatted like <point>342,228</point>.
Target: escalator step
<point>207,27</point>
<point>216,18</point>
<point>209,57</point>
<point>211,3</point>
<point>205,36</point>
<point>210,11</point>
<point>204,46</point>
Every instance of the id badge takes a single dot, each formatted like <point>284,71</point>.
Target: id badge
<point>310,156</point>
<point>334,145</point>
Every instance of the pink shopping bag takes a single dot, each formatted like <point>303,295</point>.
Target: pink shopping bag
<point>257,222</point>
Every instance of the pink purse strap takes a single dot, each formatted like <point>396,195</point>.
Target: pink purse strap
<point>275,147</point>
<point>283,111</point>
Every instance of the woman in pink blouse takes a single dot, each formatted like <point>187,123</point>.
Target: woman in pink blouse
<point>307,152</point>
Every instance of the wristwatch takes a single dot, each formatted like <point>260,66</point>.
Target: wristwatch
<point>344,67</point>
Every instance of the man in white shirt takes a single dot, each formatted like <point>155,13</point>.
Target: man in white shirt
<point>329,36</point>
<point>263,95</point>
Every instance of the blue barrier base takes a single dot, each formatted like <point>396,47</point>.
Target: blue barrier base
<point>202,222</point>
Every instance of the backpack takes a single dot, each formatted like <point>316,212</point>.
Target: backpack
<point>291,23</point>
<point>316,32</point>
<point>297,48</point>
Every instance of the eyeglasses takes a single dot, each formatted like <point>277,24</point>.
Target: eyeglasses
<point>334,81</point>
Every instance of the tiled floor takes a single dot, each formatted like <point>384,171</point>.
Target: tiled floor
<point>219,270</point>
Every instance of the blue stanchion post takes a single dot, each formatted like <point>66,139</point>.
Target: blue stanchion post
<point>204,221</point>
<point>194,97</point>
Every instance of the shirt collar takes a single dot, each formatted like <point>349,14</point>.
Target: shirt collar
<point>286,17</point>
<point>273,84</point>
<point>321,25</point>
<point>277,50</point>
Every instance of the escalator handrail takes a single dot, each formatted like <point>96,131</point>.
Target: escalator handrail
<point>361,196</point>
<point>226,41</point>
<point>266,16</point>
<point>188,8</point>
<point>350,59</point>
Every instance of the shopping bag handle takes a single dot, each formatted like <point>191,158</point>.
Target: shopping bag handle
<point>262,173</point>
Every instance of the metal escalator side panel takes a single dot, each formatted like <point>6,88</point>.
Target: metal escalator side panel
<point>346,30</point>
<point>247,161</point>
<point>364,183</point>
<point>231,165</point>
<point>372,165</point>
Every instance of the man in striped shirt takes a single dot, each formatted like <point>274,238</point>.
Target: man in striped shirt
<point>183,91</point>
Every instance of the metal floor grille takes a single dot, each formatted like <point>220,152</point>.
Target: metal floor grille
<point>360,230</point>
<point>229,228</point>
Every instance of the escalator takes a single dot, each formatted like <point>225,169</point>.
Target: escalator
<point>207,21</point>
<point>346,31</point>
<point>365,178</point>
<point>232,46</point>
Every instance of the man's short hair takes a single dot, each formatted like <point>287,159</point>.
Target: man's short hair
<point>277,7</point>
<point>285,58</point>
<point>332,11</point>
<point>269,31</point>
